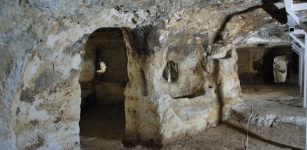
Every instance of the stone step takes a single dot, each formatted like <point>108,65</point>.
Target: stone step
<point>269,112</point>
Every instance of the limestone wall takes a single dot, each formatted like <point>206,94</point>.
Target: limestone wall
<point>42,43</point>
<point>207,82</point>
<point>42,46</point>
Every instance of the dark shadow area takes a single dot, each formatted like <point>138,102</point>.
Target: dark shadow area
<point>103,121</point>
<point>141,36</point>
<point>197,93</point>
<point>257,137</point>
<point>103,78</point>
<point>256,65</point>
<point>267,67</point>
<point>278,14</point>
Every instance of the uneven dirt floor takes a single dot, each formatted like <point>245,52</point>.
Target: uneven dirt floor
<point>270,118</point>
<point>106,121</point>
<point>270,92</point>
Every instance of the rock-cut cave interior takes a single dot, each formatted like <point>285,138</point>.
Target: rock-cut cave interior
<point>153,74</point>
<point>103,82</point>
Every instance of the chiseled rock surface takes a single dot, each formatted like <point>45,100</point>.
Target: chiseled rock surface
<point>280,68</point>
<point>41,48</point>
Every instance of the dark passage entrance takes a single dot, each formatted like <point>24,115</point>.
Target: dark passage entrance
<point>256,65</point>
<point>269,73</point>
<point>103,79</point>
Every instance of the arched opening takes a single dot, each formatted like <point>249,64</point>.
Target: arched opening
<point>103,79</point>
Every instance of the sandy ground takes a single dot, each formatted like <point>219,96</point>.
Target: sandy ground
<point>270,118</point>
<point>103,121</point>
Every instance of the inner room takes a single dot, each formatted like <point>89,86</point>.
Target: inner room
<point>103,79</point>
<point>269,71</point>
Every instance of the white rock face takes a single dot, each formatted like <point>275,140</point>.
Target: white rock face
<point>280,65</point>
<point>42,44</point>
<point>102,67</point>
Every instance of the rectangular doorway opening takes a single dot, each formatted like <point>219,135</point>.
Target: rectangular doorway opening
<point>269,73</point>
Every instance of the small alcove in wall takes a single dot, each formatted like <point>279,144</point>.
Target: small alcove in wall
<point>103,79</point>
